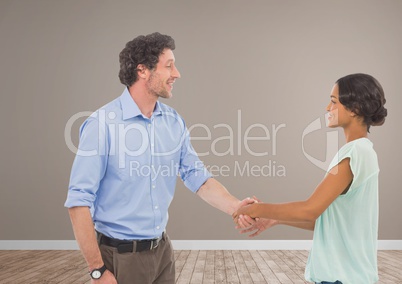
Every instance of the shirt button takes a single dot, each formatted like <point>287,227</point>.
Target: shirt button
<point>156,207</point>
<point>153,186</point>
<point>157,227</point>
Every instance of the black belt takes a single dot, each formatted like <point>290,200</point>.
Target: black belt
<point>130,246</point>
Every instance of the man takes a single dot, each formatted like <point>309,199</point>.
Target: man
<point>124,174</point>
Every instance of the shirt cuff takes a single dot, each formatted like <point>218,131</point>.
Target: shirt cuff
<point>76,198</point>
<point>197,179</point>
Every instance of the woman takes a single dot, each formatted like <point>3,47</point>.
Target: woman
<point>343,209</point>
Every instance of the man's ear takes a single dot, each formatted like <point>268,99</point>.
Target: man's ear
<point>141,70</point>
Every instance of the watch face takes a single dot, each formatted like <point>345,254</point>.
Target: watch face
<point>96,274</point>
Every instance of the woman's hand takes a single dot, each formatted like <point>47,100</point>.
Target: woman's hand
<point>247,224</point>
<point>245,210</point>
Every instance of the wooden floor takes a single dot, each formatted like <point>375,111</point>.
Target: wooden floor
<point>280,266</point>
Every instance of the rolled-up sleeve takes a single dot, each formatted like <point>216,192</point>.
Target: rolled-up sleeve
<point>89,164</point>
<point>192,169</point>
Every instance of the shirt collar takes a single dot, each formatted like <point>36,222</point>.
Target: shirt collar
<point>130,108</point>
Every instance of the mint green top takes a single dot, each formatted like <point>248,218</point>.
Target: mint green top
<point>345,235</point>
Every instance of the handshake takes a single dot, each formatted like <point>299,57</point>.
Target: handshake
<point>247,220</point>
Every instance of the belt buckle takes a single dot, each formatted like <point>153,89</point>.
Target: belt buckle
<point>154,244</point>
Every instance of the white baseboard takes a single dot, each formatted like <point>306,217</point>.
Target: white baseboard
<point>38,245</point>
<point>191,245</point>
<point>242,245</point>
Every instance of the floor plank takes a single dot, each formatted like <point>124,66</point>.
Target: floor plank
<point>198,267</point>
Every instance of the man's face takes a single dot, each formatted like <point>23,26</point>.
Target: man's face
<point>160,82</point>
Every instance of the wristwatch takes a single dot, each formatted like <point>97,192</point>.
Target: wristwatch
<point>98,272</point>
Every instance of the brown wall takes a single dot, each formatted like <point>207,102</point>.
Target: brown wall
<point>275,61</point>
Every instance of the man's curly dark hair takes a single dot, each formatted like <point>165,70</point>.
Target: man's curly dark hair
<point>142,50</point>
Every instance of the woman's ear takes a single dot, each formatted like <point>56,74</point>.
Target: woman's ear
<point>352,114</point>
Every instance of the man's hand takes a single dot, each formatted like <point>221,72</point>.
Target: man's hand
<point>244,210</point>
<point>257,226</point>
<point>107,278</point>
<point>247,224</point>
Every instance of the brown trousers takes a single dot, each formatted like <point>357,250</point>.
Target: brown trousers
<point>147,267</point>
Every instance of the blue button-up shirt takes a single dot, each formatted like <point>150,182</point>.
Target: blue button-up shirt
<point>127,165</point>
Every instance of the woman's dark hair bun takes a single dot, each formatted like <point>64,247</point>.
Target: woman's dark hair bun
<point>378,117</point>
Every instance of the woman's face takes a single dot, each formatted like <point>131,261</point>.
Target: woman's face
<point>338,115</point>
